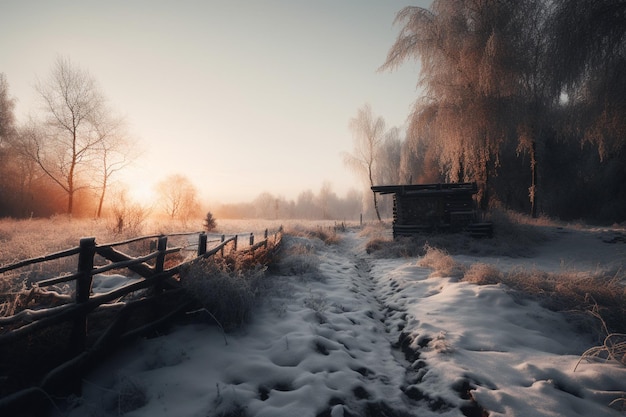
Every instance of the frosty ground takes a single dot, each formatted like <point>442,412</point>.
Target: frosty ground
<point>339,332</point>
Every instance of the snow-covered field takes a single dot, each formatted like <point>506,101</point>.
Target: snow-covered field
<point>341,333</point>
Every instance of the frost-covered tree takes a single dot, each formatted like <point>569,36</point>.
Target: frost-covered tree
<point>469,78</point>
<point>7,133</point>
<point>115,152</point>
<point>79,143</point>
<point>75,137</point>
<point>178,197</point>
<point>588,53</point>
<point>388,167</point>
<point>370,134</point>
<point>530,21</point>
<point>7,117</point>
<point>65,150</point>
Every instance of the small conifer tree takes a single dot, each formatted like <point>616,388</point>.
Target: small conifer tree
<point>209,222</point>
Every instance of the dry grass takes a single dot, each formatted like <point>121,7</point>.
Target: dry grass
<point>442,263</point>
<point>483,274</point>
<point>297,258</point>
<point>30,238</point>
<point>599,294</point>
<point>227,287</point>
<point>327,233</point>
<point>595,302</point>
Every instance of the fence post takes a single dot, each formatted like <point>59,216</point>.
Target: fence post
<point>265,237</point>
<point>85,265</point>
<point>223,239</point>
<point>160,261</point>
<point>78,338</point>
<point>235,244</point>
<point>202,244</point>
<point>251,239</point>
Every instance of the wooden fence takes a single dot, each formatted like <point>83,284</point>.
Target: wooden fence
<point>61,370</point>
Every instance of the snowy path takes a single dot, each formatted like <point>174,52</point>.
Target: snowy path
<point>342,334</point>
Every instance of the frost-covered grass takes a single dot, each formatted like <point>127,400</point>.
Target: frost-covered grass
<point>342,306</point>
<point>30,238</point>
<point>600,291</point>
<point>224,288</point>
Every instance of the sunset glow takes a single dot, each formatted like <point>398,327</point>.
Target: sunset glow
<point>142,192</point>
<point>241,99</point>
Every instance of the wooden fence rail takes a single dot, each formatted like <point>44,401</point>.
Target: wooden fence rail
<point>75,309</point>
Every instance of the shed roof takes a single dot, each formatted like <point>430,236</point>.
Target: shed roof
<point>427,189</point>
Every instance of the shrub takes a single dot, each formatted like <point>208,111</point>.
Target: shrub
<point>223,288</point>
<point>483,274</point>
<point>297,258</point>
<point>327,234</point>
<point>129,217</point>
<point>442,263</point>
<point>402,247</point>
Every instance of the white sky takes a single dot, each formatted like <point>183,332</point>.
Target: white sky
<point>239,96</point>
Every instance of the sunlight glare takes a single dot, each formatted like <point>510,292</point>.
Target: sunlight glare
<point>142,193</point>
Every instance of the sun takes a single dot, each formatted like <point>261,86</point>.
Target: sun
<point>144,193</point>
<point>141,192</point>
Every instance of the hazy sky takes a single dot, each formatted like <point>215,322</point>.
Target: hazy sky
<point>239,96</point>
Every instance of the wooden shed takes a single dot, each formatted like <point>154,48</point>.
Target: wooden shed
<point>440,207</point>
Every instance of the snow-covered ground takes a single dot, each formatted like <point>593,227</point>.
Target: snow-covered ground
<point>340,333</point>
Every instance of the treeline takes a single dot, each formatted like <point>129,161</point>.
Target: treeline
<point>323,205</point>
<point>525,97</point>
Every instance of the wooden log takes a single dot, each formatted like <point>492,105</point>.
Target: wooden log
<point>75,310</point>
<point>114,255</point>
<point>50,257</point>
<point>128,263</point>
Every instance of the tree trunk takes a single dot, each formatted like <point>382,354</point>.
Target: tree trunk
<point>70,202</point>
<point>376,206</point>
<point>532,192</point>
<point>101,202</point>
<point>373,193</point>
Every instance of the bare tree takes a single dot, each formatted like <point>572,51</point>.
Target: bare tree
<point>327,200</point>
<point>306,205</point>
<point>116,152</point>
<point>388,167</point>
<point>369,134</point>
<point>178,197</point>
<point>70,144</point>
<point>128,216</point>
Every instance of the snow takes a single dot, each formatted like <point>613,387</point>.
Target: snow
<point>341,333</point>
<point>104,283</point>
